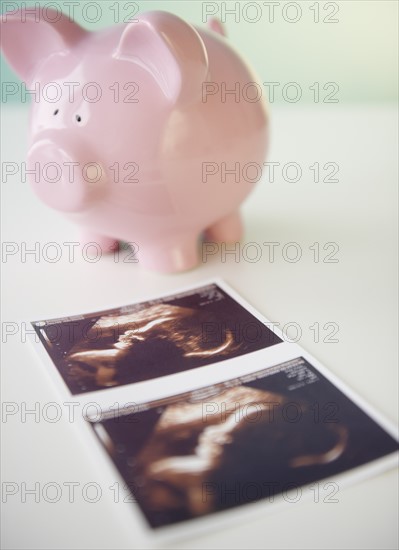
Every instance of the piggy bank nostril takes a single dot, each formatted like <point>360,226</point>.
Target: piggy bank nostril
<point>93,173</point>
<point>56,112</point>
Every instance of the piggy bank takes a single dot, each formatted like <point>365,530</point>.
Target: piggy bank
<point>150,132</point>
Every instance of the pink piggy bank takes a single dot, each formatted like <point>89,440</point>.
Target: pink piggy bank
<point>149,132</point>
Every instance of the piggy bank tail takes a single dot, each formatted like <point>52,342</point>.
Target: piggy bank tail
<point>217,26</point>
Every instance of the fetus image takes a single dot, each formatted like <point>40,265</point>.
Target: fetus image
<point>161,328</point>
<point>260,437</point>
<point>140,342</point>
<point>241,434</point>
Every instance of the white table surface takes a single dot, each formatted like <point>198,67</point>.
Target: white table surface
<point>358,293</point>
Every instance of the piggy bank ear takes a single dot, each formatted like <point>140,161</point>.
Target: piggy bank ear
<point>28,37</point>
<point>171,50</point>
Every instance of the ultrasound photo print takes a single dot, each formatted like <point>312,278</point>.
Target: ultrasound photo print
<point>243,440</point>
<point>151,339</point>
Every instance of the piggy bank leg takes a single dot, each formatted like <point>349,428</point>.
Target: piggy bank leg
<point>106,244</point>
<point>179,256</point>
<point>228,229</point>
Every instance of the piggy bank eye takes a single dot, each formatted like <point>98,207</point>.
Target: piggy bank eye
<point>78,118</point>
<point>56,112</point>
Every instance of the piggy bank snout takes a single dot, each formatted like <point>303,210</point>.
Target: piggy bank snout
<point>62,175</point>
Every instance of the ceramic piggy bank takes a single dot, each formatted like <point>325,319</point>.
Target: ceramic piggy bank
<point>150,132</point>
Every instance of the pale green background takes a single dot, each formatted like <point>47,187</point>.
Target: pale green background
<point>359,52</point>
